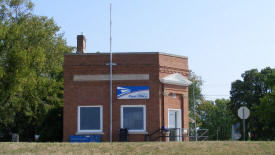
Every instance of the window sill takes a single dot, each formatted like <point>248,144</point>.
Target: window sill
<point>137,132</point>
<point>89,133</point>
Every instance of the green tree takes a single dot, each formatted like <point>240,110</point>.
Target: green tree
<point>31,76</point>
<point>194,89</point>
<point>194,94</point>
<point>209,115</point>
<point>265,111</point>
<point>51,127</point>
<point>255,92</point>
<point>217,118</point>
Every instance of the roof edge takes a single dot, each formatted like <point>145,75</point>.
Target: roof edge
<point>120,53</point>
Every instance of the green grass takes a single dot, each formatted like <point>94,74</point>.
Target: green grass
<point>209,147</point>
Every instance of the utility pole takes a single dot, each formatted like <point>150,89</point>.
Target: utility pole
<point>194,108</point>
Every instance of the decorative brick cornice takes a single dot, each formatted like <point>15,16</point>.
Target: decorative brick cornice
<point>171,70</point>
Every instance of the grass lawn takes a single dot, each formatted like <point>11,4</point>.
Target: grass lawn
<point>210,147</point>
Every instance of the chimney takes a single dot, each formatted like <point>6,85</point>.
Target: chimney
<point>81,44</point>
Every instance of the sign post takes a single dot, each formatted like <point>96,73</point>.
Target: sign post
<point>243,113</point>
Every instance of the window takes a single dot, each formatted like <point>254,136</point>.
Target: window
<point>133,117</point>
<point>90,119</point>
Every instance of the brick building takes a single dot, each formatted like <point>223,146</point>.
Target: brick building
<point>150,91</point>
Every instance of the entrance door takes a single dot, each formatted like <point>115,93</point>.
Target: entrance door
<point>174,123</point>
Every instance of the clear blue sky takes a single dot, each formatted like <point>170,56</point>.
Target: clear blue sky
<point>222,38</point>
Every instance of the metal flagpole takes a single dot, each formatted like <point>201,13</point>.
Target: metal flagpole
<point>111,82</point>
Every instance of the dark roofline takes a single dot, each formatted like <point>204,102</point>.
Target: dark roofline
<point>118,53</point>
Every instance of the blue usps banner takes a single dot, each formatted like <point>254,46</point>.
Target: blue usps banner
<point>133,92</point>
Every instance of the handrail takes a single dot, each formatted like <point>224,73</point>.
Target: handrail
<point>163,132</point>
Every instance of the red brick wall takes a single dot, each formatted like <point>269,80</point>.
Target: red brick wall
<point>170,64</point>
<point>178,102</point>
<point>97,92</point>
<point>174,62</point>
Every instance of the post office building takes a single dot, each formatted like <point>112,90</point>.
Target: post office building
<point>147,96</point>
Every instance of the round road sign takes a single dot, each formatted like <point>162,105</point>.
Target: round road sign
<point>243,112</point>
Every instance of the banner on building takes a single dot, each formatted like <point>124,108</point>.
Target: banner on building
<point>133,92</point>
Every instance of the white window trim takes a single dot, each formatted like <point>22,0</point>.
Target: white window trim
<point>90,131</point>
<point>144,116</point>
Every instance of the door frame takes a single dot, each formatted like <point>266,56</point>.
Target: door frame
<point>179,121</point>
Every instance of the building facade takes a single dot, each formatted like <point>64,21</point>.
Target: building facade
<point>149,93</point>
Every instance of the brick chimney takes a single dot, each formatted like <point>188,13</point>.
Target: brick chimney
<point>81,44</point>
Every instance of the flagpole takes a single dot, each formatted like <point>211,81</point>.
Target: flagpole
<point>111,69</point>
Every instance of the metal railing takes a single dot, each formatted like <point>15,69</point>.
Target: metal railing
<point>173,134</point>
<point>201,135</point>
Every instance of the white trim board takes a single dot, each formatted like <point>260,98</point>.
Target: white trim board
<point>176,79</point>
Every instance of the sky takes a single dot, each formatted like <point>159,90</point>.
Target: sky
<point>221,38</point>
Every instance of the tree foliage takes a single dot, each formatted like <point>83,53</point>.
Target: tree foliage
<point>15,10</point>
<point>31,76</point>
<point>194,94</point>
<point>256,91</point>
<point>210,115</point>
<point>217,118</point>
<point>266,112</point>
<point>51,127</point>
<point>194,90</point>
